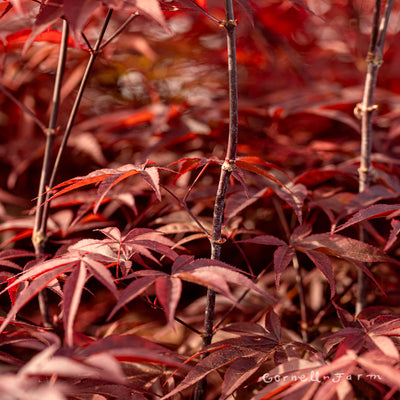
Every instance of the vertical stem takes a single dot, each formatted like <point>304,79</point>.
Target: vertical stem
<point>365,111</point>
<point>93,54</point>
<point>226,170</point>
<point>39,236</point>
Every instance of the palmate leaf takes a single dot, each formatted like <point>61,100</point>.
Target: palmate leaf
<point>205,272</point>
<point>374,211</point>
<point>273,324</point>
<point>253,164</point>
<point>292,194</point>
<point>324,264</point>
<point>107,178</point>
<point>384,367</point>
<point>344,247</point>
<point>82,265</point>
<point>136,243</point>
<point>363,334</point>
<point>135,289</point>
<point>318,248</point>
<point>187,268</point>
<point>214,361</point>
<point>190,163</point>
<point>78,13</point>
<point>245,354</point>
<point>283,255</point>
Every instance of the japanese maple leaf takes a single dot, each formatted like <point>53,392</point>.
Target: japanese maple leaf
<point>168,287</point>
<point>107,178</point>
<point>319,248</point>
<point>365,334</point>
<point>75,267</point>
<point>78,13</point>
<point>242,356</point>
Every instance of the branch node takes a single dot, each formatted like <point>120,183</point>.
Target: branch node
<point>375,59</point>
<point>359,109</point>
<point>229,165</point>
<point>38,238</point>
<point>230,23</point>
<point>363,170</point>
<point>50,131</point>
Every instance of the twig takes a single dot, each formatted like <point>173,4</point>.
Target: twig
<point>38,236</point>
<point>226,170</point>
<point>93,55</point>
<point>185,206</point>
<point>119,30</point>
<point>177,319</point>
<point>23,107</point>
<point>365,111</point>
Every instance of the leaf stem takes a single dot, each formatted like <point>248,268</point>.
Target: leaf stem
<point>299,277</point>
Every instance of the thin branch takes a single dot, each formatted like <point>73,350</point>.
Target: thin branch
<point>365,112</point>
<point>93,55</point>
<point>119,30</point>
<point>23,107</point>
<point>38,237</point>
<point>177,319</point>
<point>185,206</point>
<point>226,170</point>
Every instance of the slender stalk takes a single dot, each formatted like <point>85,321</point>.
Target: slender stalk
<point>299,277</point>
<point>226,170</point>
<point>365,111</point>
<point>119,30</point>
<point>40,227</point>
<point>93,55</point>
<point>38,236</point>
<point>23,107</point>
